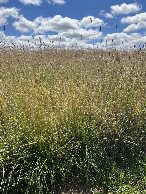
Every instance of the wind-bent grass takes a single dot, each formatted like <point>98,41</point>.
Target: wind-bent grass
<point>71,117</point>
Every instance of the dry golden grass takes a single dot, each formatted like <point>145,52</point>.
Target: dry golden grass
<point>52,99</point>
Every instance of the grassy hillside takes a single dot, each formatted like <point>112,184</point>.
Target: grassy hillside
<point>72,118</point>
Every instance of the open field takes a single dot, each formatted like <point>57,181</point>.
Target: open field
<point>72,119</point>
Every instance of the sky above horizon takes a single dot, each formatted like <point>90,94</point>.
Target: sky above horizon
<point>73,23</point>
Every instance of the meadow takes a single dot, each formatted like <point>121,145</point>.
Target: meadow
<point>72,121</point>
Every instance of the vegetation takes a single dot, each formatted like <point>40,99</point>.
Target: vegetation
<point>72,118</point>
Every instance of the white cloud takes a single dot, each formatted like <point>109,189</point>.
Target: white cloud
<point>39,2</point>
<point>125,8</point>
<point>121,9</point>
<point>5,13</point>
<point>24,38</point>
<point>60,2</point>
<point>82,34</point>
<point>137,22</point>
<point>124,40</point>
<point>59,24</point>
<point>24,25</point>
<point>134,27</point>
<point>120,40</point>
<point>134,19</point>
<point>108,15</point>
<point>4,1</point>
<point>118,37</point>
<point>91,21</point>
<point>56,24</point>
<point>70,31</point>
<point>49,41</point>
<point>42,25</point>
<point>141,40</point>
<point>33,2</point>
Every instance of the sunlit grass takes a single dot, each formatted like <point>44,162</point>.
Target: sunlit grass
<point>71,117</point>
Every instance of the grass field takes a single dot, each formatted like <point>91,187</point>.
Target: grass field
<point>72,120</point>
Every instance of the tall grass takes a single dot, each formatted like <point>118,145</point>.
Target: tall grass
<point>72,117</point>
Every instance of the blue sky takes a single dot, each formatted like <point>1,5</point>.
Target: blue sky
<point>74,23</point>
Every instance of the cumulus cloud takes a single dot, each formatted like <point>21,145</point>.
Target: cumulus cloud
<point>125,8</point>
<point>4,1</point>
<point>134,27</point>
<point>43,25</point>
<point>69,31</point>
<point>24,38</point>
<point>72,32</point>
<point>134,19</point>
<point>82,34</point>
<point>57,24</point>
<point>119,37</point>
<point>121,9</point>
<point>62,40</point>
<point>24,25</point>
<point>5,13</point>
<point>137,22</point>
<point>33,2</point>
<point>91,21</point>
<point>124,40</point>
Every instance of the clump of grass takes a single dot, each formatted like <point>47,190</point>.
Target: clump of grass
<point>71,117</point>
